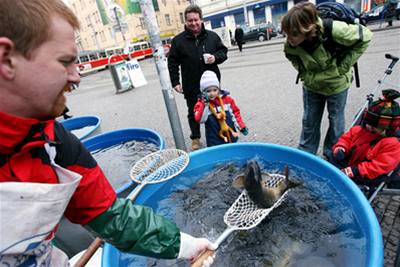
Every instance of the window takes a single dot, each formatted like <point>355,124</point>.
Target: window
<point>181,17</point>
<point>102,54</point>
<point>93,56</point>
<point>142,24</point>
<point>145,46</point>
<point>168,19</point>
<point>102,36</point>
<point>88,24</point>
<point>109,52</point>
<point>84,58</point>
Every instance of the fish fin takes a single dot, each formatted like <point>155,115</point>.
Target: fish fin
<point>238,182</point>
<point>287,172</point>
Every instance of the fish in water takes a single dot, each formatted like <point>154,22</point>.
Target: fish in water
<point>258,188</point>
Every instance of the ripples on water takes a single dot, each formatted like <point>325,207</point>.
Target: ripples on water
<point>304,231</point>
<point>117,161</point>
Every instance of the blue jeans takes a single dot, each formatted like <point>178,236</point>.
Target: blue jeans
<point>314,105</point>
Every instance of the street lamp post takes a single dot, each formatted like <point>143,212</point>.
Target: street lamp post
<point>119,23</point>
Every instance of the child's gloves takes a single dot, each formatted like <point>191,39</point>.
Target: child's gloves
<point>351,172</point>
<point>339,154</point>
<point>205,98</point>
<point>244,131</point>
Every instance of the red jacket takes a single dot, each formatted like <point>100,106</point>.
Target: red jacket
<point>202,114</point>
<point>372,154</point>
<point>24,159</point>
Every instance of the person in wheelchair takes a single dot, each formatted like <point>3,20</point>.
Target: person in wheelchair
<point>369,152</point>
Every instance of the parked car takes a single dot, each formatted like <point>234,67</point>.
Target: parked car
<point>259,32</point>
<point>377,14</point>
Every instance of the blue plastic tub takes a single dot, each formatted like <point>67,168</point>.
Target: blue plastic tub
<point>82,126</point>
<point>109,139</point>
<point>205,159</point>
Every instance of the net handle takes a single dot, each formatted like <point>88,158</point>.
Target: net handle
<point>199,261</point>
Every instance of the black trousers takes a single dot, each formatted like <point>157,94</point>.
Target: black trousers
<point>240,45</point>
<point>193,124</point>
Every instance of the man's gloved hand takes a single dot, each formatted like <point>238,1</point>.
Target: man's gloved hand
<point>244,131</point>
<point>192,247</point>
<point>339,154</point>
<point>351,172</point>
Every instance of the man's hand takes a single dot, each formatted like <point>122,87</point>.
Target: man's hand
<point>192,247</point>
<point>178,88</point>
<point>210,60</point>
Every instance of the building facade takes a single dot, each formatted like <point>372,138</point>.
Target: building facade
<point>105,24</point>
<point>229,13</point>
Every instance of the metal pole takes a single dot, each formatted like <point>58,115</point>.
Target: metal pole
<point>162,69</point>
<point>246,19</point>
<point>119,24</point>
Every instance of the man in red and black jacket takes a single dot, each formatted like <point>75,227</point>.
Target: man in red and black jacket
<point>45,171</point>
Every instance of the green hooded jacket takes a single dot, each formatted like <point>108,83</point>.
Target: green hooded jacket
<point>136,229</point>
<point>319,71</point>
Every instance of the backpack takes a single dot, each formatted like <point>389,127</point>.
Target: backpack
<point>330,11</point>
<point>339,11</point>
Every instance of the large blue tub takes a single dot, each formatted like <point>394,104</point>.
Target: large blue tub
<point>72,238</point>
<point>82,126</point>
<point>205,159</point>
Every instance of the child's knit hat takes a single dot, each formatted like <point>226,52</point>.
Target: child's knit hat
<point>385,112</point>
<point>208,79</point>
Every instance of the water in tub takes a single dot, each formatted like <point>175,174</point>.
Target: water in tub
<point>313,227</point>
<point>117,161</point>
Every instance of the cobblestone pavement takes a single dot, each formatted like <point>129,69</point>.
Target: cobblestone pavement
<point>262,82</point>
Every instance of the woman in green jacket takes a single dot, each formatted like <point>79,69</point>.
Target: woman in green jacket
<point>325,77</point>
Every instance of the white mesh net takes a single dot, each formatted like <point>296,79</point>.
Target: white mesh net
<point>245,214</point>
<point>160,166</point>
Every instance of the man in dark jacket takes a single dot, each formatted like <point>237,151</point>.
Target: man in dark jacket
<point>195,50</point>
<point>239,37</point>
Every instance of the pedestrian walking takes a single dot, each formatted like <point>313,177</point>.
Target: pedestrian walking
<point>239,37</point>
<point>390,11</point>
<point>194,50</point>
<point>45,171</point>
<point>326,77</point>
<point>219,111</point>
